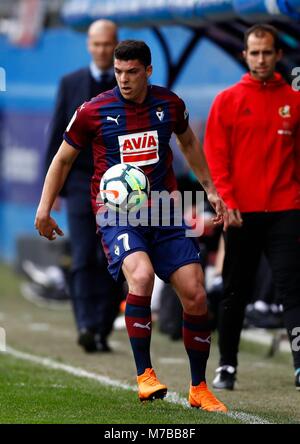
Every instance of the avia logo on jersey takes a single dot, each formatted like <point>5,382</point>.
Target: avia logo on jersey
<point>139,148</point>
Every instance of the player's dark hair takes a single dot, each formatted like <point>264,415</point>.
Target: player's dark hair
<point>133,50</point>
<point>260,30</point>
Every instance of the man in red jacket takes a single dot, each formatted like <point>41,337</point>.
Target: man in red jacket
<point>252,145</point>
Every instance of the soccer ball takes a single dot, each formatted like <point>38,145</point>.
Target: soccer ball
<point>124,187</point>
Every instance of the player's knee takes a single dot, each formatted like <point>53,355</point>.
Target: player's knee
<point>142,279</point>
<point>195,302</point>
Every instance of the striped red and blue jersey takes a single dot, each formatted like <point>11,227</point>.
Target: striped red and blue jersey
<point>121,131</point>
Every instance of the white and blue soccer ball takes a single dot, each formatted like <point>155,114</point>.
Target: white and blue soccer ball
<point>124,188</point>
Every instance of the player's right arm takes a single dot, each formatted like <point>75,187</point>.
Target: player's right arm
<point>77,136</point>
<point>55,179</point>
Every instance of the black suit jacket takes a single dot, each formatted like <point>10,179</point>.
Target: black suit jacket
<point>74,89</point>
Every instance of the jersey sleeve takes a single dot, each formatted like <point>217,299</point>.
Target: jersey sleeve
<point>79,132</point>
<point>182,117</point>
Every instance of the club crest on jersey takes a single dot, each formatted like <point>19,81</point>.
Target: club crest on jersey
<point>160,113</point>
<point>285,111</point>
<point>139,148</point>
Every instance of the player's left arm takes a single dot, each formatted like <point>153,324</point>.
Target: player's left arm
<point>192,150</point>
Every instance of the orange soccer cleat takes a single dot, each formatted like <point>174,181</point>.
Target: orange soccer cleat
<point>149,386</point>
<point>203,398</point>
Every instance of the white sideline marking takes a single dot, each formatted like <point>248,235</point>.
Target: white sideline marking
<point>172,397</point>
<point>171,361</point>
<point>261,336</point>
<point>2,340</point>
<point>39,327</point>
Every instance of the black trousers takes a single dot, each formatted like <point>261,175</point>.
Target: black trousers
<point>94,293</point>
<point>278,235</point>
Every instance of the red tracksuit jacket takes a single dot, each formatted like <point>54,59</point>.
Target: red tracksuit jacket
<point>252,145</point>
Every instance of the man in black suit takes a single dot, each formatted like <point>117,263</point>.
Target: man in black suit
<point>94,294</point>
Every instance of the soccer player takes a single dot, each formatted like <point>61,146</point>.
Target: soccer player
<point>115,122</point>
<point>252,145</point>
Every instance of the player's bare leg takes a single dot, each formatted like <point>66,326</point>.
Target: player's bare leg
<point>139,273</point>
